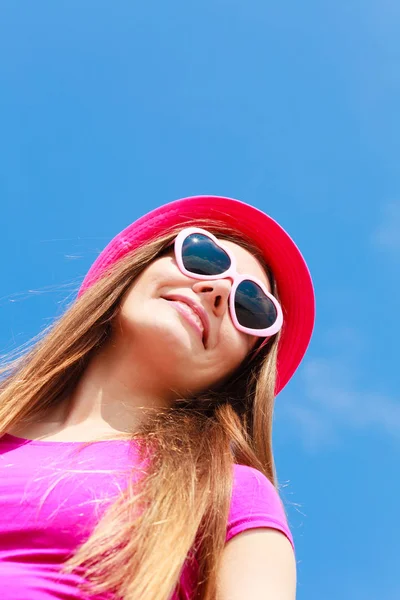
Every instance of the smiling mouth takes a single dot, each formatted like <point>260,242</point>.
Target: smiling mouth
<point>190,315</point>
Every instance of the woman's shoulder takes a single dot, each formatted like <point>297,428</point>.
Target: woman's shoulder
<point>252,489</point>
<point>249,476</point>
<point>255,503</point>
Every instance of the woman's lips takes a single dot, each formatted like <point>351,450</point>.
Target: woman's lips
<point>190,311</point>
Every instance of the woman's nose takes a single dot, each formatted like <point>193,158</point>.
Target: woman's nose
<point>215,292</point>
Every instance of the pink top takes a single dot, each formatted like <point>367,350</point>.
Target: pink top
<point>45,515</point>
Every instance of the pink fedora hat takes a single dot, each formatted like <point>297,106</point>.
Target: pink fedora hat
<point>293,279</point>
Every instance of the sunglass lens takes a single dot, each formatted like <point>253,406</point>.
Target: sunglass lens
<point>253,308</point>
<point>202,256</point>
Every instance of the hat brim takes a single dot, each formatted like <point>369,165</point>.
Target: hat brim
<point>290,270</point>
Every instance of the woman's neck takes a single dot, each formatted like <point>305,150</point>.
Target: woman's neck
<point>109,397</point>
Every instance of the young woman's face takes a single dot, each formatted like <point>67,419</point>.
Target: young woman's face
<point>159,324</point>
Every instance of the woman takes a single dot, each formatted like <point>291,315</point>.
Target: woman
<point>187,325</point>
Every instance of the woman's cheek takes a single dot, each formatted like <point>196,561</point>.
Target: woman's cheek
<point>233,351</point>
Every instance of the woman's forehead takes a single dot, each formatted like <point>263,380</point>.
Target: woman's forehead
<point>246,262</point>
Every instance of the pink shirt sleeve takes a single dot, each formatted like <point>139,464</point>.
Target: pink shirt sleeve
<point>255,503</point>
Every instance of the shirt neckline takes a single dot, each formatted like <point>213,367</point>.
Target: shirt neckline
<point>19,441</point>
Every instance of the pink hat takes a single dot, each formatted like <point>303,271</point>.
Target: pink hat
<point>293,279</point>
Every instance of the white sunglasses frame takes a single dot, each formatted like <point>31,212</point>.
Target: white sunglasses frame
<point>233,274</point>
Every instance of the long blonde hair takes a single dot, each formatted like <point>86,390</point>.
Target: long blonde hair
<point>178,510</point>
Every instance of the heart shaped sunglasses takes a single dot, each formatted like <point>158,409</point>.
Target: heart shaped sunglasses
<point>200,255</point>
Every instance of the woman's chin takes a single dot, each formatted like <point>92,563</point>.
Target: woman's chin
<point>162,337</point>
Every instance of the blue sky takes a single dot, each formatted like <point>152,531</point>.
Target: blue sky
<point>110,109</point>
